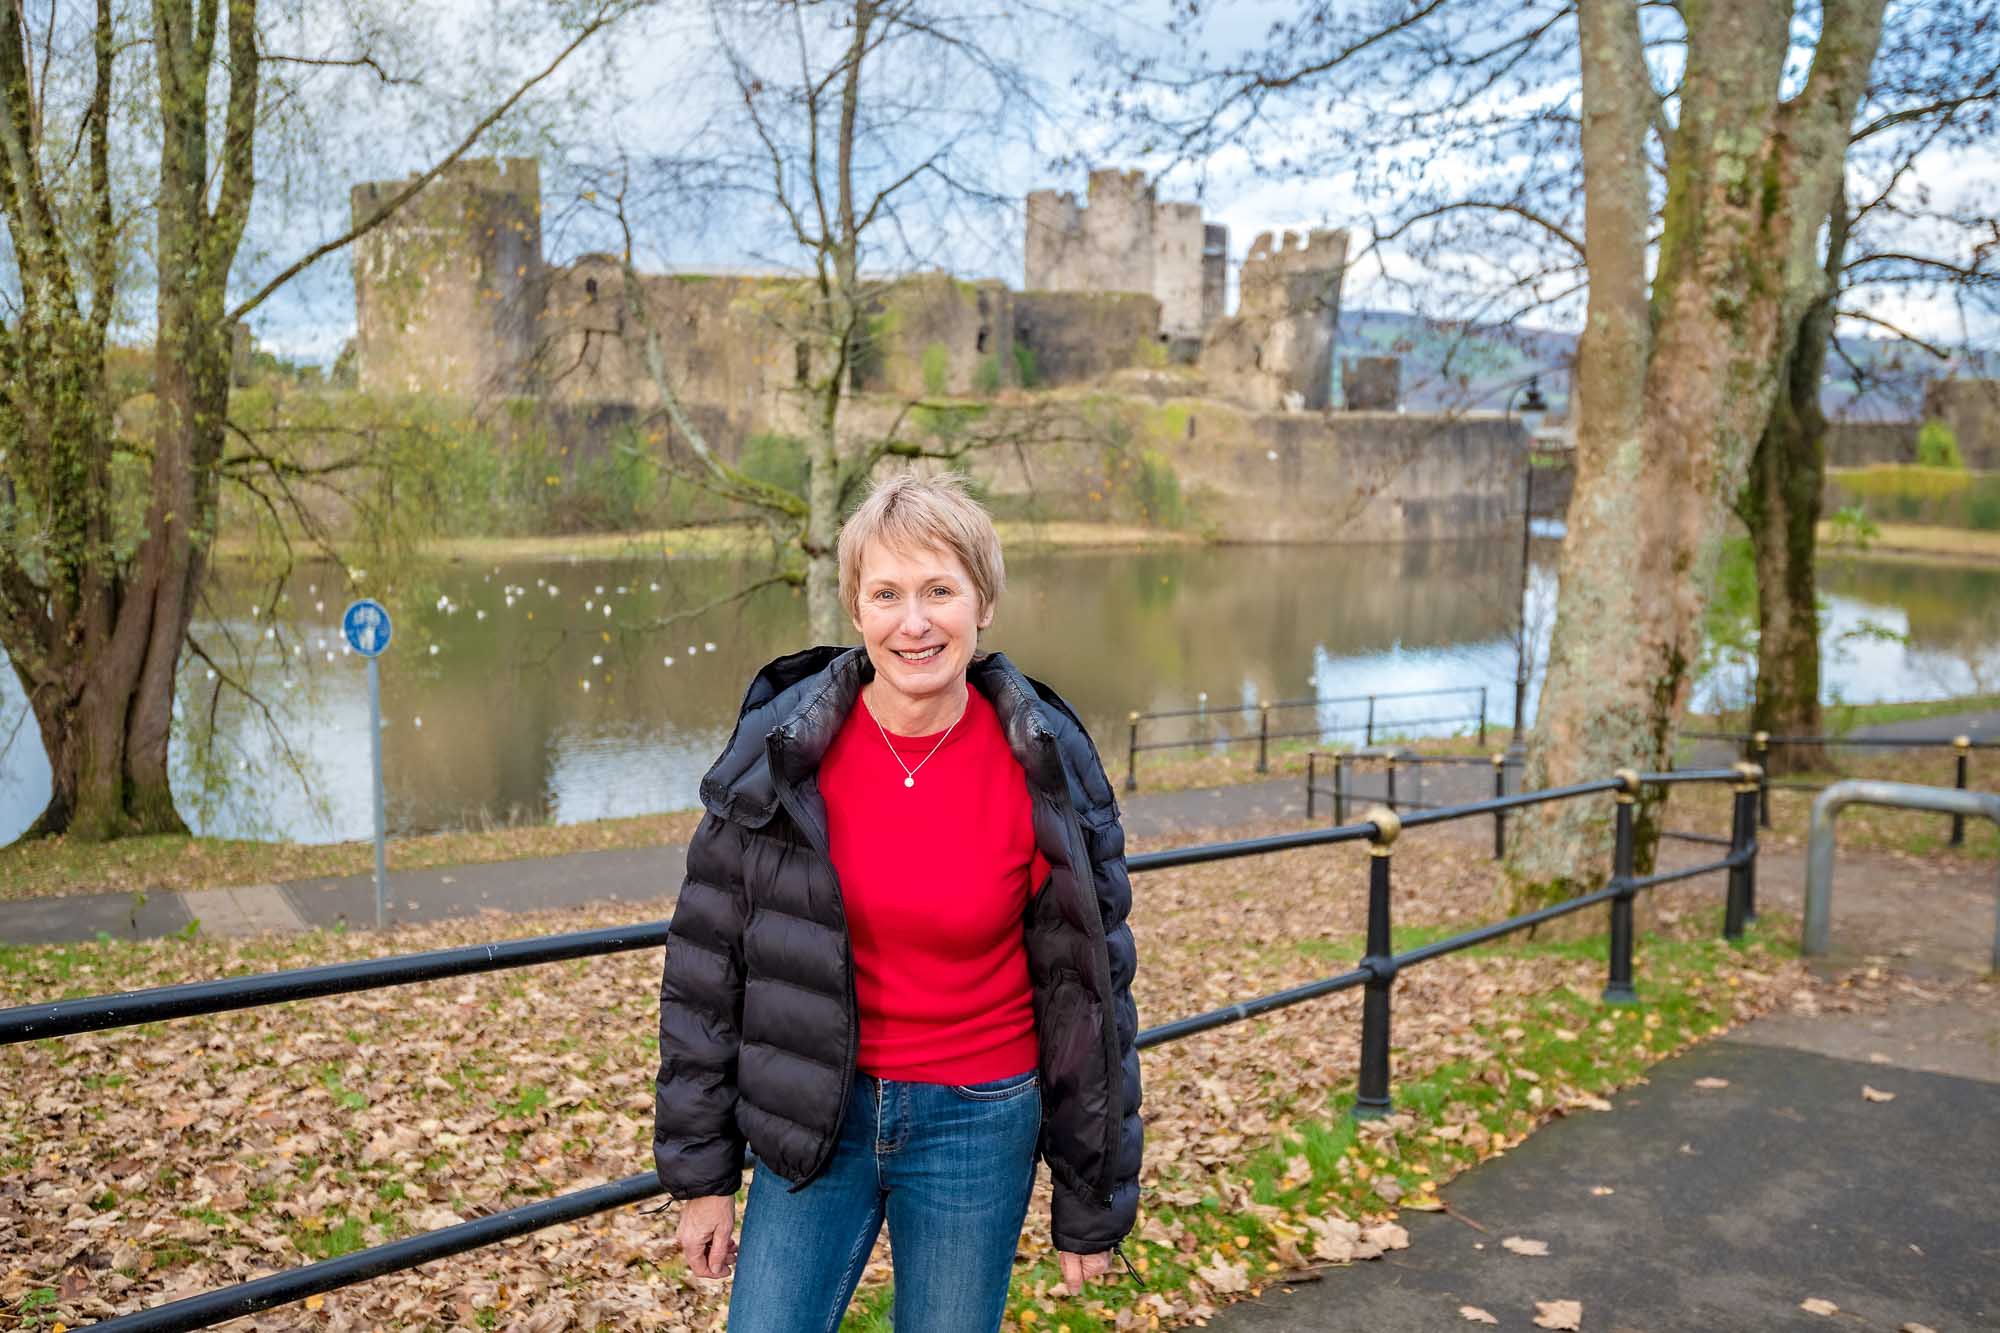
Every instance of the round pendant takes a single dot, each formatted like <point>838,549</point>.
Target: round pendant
<point>909,782</point>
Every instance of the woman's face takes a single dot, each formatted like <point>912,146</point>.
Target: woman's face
<point>919,617</point>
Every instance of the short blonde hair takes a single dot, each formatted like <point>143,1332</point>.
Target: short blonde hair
<point>918,513</point>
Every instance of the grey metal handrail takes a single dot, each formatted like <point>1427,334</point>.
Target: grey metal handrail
<point>1864,791</point>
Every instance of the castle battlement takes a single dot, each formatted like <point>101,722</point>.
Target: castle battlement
<point>1317,250</point>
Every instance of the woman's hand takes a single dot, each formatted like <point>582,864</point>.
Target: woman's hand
<point>1080,1268</point>
<point>707,1235</point>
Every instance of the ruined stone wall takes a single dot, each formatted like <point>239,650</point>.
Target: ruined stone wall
<point>1972,409</point>
<point>1271,476</point>
<point>1864,443</point>
<point>1276,352</point>
<point>1080,337</point>
<point>445,292</point>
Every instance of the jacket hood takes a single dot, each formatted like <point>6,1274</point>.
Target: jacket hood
<point>796,704</point>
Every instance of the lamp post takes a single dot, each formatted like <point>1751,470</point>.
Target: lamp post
<point>1533,409</point>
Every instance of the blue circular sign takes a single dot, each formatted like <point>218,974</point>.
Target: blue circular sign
<point>366,625</point>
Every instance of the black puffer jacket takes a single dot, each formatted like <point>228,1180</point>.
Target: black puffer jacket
<point>758,1027</point>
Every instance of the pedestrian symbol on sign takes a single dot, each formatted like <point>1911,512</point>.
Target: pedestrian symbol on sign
<point>366,625</point>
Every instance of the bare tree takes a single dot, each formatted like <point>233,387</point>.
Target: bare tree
<point>855,144</point>
<point>1932,95</point>
<point>98,583</point>
<point>1461,115</point>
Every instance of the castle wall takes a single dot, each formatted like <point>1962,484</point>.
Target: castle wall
<point>1276,352</point>
<point>1271,476</point>
<point>1079,337</point>
<point>445,292</point>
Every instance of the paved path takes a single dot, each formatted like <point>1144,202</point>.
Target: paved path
<point>1729,1206</point>
<point>655,873</point>
<point>639,875</point>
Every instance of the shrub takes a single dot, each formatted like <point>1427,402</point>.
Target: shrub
<point>986,376</point>
<point>936,363</point>
<point>1025,369</point>
<point>1937,445</point>
<point>1157,488</point>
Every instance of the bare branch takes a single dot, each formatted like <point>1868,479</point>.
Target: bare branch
<point>605,17</point>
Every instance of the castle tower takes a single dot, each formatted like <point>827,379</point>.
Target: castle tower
<point>445,291</point>
<point>1277,352</point>
<point>1125,240</point>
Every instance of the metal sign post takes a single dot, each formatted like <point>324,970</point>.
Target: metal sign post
<point>366,625</point>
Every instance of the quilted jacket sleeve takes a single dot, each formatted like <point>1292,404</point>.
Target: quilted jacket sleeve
<point>1079,1223</point>
<point>696,1146</point>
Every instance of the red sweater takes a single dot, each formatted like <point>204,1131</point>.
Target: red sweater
<point>936,880</point>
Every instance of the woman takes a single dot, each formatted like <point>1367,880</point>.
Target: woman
<point>899,968</point>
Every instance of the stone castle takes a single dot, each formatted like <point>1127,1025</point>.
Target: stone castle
<point>455,296</point>
<point>1123,306</point>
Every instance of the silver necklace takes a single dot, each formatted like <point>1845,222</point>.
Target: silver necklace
<point>910,774</point>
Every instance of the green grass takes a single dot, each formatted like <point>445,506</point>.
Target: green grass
<point>1843,718</point>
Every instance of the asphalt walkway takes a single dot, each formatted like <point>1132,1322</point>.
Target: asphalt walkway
<point>651,874</point>
<point>1698,1206</point>
<point>654,874</point>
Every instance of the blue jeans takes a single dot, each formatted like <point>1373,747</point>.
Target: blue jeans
<point>949,1168</point>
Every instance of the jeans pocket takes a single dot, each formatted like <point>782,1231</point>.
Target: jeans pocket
<point>999,1089</point>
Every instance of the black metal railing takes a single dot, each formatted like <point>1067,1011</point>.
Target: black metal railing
<point>1342,764</point>
<point>1263,736</point>
<point>1755,747</point>
<point>1375,974</point>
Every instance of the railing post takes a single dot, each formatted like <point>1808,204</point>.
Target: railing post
<point>1762,743</point>
<point>1482,717</point>
<point>1132,754</point>
<point>1499,816</point>
<point>1391,782</point>
<point>1312,769</point>
<point>1368,737</point>
<point>1263,738</point>
<point>1618,987</point>
<point>1371,1100</point>
<point>1339,789</point>
<point>1742,835</point>
<point>1963,744</point>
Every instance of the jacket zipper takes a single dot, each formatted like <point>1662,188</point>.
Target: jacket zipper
<point>794,807</point>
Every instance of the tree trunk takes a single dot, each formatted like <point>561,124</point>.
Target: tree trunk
<point>1780,506</point>
<point>1749,181</point>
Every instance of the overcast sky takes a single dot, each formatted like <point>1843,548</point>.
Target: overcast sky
<point>652,85</point>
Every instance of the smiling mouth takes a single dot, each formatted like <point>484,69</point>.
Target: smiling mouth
<point>921,655</point>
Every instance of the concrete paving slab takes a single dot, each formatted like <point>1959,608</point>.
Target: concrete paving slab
<point>250,910</point>
<point>1730,1206</point>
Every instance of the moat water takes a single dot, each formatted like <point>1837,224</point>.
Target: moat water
<point>546,707</point>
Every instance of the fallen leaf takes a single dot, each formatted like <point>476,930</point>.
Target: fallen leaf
<point>1814,1305</point>
<point>1223,1276</point>
<point>1876,1094</point>
<point>1711,1083</point>
<point>1472,1314</point>
<point>1520,1246</point>
<point>1601,1190</point>
<point>1387,1236</point>
<point>1559,1314</point>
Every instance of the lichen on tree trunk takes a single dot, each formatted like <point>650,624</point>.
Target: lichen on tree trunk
<point>1675,384</point>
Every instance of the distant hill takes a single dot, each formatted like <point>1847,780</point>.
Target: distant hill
<point>1462,368</point>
